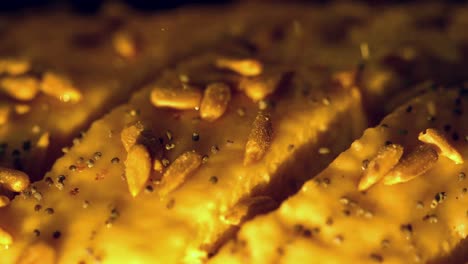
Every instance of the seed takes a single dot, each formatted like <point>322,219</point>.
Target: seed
<point>245,67</point>
<point>259,87</point>
<point>214,179</point>
<point>115,160</point>
<point>387,157</point>
<point>13,180</point>
<point>434,137</point>
<point>125,44</point>
<point>130,135</point>
<point>215,101</point>
<point>14,66</point>
<point>158,165</point>
<point>247,208</point>
<point>20,88</point>
<point>60,87</point>
<point>413,165</point>
<point>259,139</point>
<point>177,98</point>
<point>177,173</point>
<point>137,168</point>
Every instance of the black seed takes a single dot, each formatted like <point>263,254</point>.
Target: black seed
<point>56,234</point>
<point>461,176</point>
<point>37,207</point>
<point>290,147</point>
<point>440,196</point>
<point>431,118</point>
<point>298,228</point>
<point>384,125</point>
<point>458,112</point>
<point>16,152</point>
<point>49,181</point>
<point>115,160</point>
<point>407,227</point>
<point>27,145</point>
<point>195,137</point>
<point>214,179</point>
<point>61,178</point>
<point>149,189</point>
<point>72,168</point>
<point>447,128</point>
<point>365,164</point>
<point>409,109</point>
<point>307,233</point>
<point>49,210</point>
<point>37,232</point>
<point>455,136</point>
<point>18,164</point>
<point>376,257</point>
<point>214,149</point>
<point>388,142</point>
<point>114,213</point>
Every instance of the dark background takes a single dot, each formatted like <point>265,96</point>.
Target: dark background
<point>91,6</point>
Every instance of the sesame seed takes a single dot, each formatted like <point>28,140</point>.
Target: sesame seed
<point>169,135</point>
<point>365,164</point>
<point>97,155</point>
<point>170,146</point>
<point>324,150</point>
<point>72,168</point>
<point>49,181</point>
<point>461,176</point>
<point>115,160</point>
<point>214,149</point>
<point>165,162</point>
<point>241,112</point>
<point>90,163</point>
<point>37,207</point>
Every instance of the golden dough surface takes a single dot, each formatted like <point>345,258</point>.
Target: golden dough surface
<point>185,222</point>
<point>331,221</point>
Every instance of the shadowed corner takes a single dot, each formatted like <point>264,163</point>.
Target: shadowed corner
<point>458,255</point>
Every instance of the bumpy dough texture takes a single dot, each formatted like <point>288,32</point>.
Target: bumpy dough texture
<point>84,211</point>
<point>311,111</point>
<point>330,221</point>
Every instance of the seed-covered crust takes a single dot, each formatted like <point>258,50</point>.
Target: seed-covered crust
<point>422,219</point>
